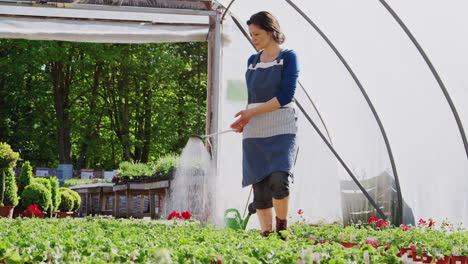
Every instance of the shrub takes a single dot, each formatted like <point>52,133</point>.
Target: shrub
<point>54,183</point>
<point>10,197</point>
<point>77,202</point>
<point>73,182</point>
<point>66,202</point>
<point>43,181</point>
<point>25,177</point>
<point>130,170</point>
<point>76,198</point>
<point>166,163</point>
<point>36,194</point>
<point>8,157</point>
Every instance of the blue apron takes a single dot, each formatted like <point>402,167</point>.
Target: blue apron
<point>269,139</point>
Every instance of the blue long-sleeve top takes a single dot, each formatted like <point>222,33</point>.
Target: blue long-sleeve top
<point>289,76</point>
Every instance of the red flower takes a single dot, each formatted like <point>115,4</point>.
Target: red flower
<point>300,211</point>
<point>421,222</point>
<point>382,223</point>
<point>372,219</point>
<point>33,209</point>
<point>174,214</point>
<point>404,228</point>
<point>186,215</point>
<point>431,223</point>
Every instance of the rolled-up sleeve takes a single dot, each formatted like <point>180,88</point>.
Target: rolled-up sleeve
<point>289,78</point>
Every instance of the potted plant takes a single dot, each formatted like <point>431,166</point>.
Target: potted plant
<point>66,205</point>
<point>33,211</point>
<point>70,202</point>
<point>460,255</point>
<point>8,196</point>
<point>36,194</point>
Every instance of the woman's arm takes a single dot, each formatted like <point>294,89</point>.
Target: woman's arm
<point>284,96</point>
<point>247,114</point>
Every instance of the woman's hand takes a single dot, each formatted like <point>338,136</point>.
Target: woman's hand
<point>245,116</point>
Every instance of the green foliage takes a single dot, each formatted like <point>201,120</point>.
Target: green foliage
<point>66,202</point>
<point>25,177</point>
<point>131,170</point>
<point>75,196</point>
<point>8,157</point>
<point>43,181</point>
<point>36,194</point>
<point>54,183</point>
<point>166,164</point>
<point>10,197</point>
<point>125,102</point>
<point>75,181</point>
<point>97,240</point>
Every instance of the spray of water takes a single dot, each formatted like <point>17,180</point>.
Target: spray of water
<point>193,186</point>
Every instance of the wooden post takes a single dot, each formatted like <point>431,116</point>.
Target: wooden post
<point>127,195</point>
<point>151,204</point>
<point>116,204</point>
<point>100,202</point>
<point>214,85</point>
<point>88,204</point>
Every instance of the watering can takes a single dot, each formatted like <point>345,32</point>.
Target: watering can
<point>236,222</point>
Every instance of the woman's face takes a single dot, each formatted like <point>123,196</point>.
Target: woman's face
<point>260,37</point>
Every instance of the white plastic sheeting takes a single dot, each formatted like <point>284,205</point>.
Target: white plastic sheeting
<point>429,154</point>
<point>132,27</point>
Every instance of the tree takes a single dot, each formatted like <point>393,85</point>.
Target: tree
<point>25,177</point>
<point>10,197</point>
<point>96,104</point>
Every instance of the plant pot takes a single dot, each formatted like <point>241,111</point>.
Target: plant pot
<point>64,214</point>
<point>459,260</point>
<point>445,260</point>
<point>403,251</point>
<point>30,215</point>
<point>417,258</point>
<point>6,211</point>
<point>426,258</point>
<point>347,245</point>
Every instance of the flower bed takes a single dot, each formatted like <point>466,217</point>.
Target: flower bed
<point>100,240</point>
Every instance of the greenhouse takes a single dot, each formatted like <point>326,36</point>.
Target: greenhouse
<point>381,100</point>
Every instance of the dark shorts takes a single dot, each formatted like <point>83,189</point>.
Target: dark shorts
<point>275,185</point>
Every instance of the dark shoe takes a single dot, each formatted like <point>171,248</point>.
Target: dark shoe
<point>266,233</point>
<point>280,226</point>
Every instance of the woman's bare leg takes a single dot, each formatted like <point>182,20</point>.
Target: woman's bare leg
<point>265,217</point>
<point>281,207</point>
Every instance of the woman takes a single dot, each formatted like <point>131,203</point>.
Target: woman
<point>269,122</point>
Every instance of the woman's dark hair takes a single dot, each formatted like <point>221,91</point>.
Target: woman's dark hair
<point>269,23</point>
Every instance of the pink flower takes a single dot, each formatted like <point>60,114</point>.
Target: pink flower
<point>174,214</point>
<point>382,223</point>
<point>431,223</point>
<point>372,219</point>
<point>404,228</point>
<point>372,241</point>
<point>421,222</point>
<point>186,215</point>
<point>300,211</point>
